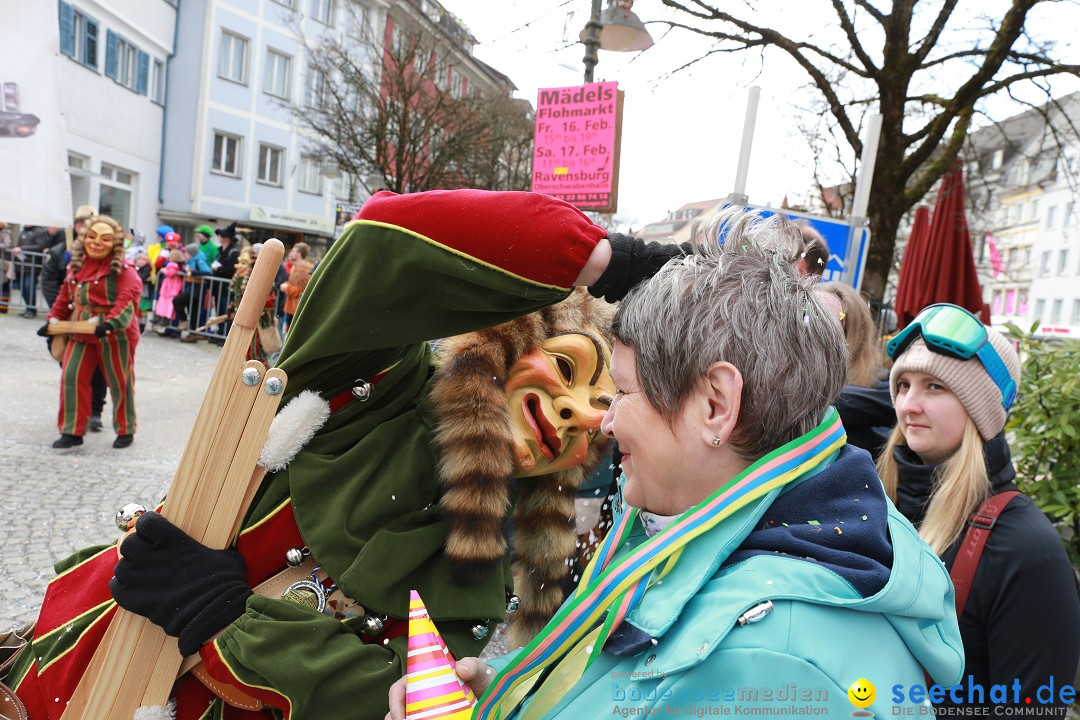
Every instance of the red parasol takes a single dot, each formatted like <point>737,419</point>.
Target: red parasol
<point>943,265</point>
<point>912,269</point>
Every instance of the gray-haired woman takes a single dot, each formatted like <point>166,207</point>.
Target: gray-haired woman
<point>751,548</point>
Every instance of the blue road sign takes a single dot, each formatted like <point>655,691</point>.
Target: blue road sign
<point>847,245</point>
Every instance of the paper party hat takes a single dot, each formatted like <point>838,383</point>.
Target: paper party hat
<point>432,690</point>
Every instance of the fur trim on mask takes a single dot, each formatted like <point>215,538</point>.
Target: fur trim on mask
<point>116,264</point>
<point>475,447</point>
<point>545,543</point>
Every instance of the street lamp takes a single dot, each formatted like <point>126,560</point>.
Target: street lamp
<point>617,29</point>
<point>375,183</point>
<point>330,169</point>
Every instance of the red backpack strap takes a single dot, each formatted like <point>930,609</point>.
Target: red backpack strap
<point>967,559</point>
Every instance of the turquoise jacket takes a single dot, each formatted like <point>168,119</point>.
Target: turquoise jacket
<point>702,657</point>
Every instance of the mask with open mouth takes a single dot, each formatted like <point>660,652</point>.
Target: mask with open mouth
<point>557,396</point>
<point>523,399</point>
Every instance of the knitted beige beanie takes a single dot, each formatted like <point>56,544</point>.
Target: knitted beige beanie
<point>967,379</point>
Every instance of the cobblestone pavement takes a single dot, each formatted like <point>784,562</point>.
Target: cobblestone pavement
<point>53,502</point>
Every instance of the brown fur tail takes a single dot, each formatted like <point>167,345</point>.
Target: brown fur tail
<point>475,446</point>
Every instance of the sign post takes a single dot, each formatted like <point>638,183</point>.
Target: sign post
<point>576,148</point>
<point>858,220</point>
<point>343,213</point>
<point>738,195</point>
<point>847,240</point>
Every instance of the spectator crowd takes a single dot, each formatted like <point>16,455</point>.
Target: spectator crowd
<point>188,288</point>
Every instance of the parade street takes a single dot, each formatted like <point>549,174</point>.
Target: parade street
<point>58,501</point>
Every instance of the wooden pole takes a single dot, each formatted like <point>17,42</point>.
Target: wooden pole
<point>141,655</point>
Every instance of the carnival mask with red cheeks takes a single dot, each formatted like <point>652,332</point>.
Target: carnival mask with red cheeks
<point>558,395</point>
<point>99,241</point>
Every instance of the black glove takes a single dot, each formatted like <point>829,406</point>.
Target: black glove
<point>101,330</point>
<point>633,261</point>
<point>43,331</point>
<point>188,589</point>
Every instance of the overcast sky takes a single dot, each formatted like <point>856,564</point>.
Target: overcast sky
<point>681,132</point>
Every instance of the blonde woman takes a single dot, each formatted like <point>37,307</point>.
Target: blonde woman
<point>864,404</point>
<point>952,383</point>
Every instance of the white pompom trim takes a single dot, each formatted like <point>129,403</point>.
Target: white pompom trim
<point>293,428</point>
<point>157,712</point>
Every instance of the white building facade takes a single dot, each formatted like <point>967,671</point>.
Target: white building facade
<point>234,152</point>
<point>182,113</point>
<point>114,83</point>
<point>1026,183</point>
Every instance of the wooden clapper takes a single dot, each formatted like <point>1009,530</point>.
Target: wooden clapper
<point>137,663</point>
<point>71,327</point>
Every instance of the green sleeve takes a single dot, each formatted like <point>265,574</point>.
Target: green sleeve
<point>381,289</point>
<point>319,664</point>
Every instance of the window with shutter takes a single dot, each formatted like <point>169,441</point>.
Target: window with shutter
<point>78,36</point>
<point>110,53</point>
<point>144,72</point>
<point>158,82</point>
<point>89,56</point>
<point>67,29</point>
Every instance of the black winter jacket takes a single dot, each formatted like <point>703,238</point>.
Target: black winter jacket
<point>36,239</point>
<point>227,262</point>
<point>1022,619</point>
<point>53,271</point>
<point>868,415</point>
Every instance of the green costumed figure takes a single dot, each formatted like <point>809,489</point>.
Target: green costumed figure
<point>407,480</point>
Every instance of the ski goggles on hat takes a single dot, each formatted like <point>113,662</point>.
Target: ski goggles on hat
<point>951,330</point>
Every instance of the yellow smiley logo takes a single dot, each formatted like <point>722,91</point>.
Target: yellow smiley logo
<point>862,693</point>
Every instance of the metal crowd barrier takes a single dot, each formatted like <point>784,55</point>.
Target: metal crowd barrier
<point>209,297</point>
<point>207,308</point>
<point>20,281</point>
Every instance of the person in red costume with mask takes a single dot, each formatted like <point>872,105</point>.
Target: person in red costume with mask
<point>99,287</point>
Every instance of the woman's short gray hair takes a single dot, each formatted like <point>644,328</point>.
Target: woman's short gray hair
<point>739,298</point>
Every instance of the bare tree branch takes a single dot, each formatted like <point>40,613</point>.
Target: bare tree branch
<point>853,38</point>
<point>793,49</point>
<point>926,114</point>
<point>977,52</point>
<point>873,11</point>
<point>1030,75</point>
<point>409,125</point>
<point>932,37</point>
<point>970,91</point>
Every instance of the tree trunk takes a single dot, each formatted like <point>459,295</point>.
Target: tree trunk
<point>885,216</point>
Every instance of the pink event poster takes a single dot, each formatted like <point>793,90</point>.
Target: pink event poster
<point>575,154</point>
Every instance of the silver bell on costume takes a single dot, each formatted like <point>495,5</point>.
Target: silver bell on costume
<point>362,390</point>
<point>127,513</point>
<point>372,625</point>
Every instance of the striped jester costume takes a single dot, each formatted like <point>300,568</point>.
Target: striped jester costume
<point>107,289</point>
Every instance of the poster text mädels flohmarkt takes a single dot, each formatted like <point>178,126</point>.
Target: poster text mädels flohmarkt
<point>576,152</point>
